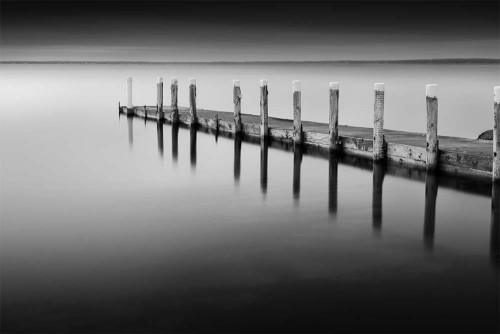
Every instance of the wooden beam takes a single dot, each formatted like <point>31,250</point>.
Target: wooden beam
<point>237,105</point>
<point>378,123</point>
<point>297,122</point>
<point>264,112</point>
<point>334,116</point>
<point>432,146</point>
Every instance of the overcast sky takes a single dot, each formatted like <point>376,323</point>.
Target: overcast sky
<point>248,31</point>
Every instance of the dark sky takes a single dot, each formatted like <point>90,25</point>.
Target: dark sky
<point>248,30</point>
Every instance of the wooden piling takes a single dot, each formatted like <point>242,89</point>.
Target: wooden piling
<point>297,123</point>
<point>378,123</point>
<point>192,100</point>
<point>237,157</point>
<point>129,95</point>
<point>379,170</point>
<point>192,147</point>
<point>159,130</point>
<point>332,183</point>
<point>496,135</point>
<point>237,106</point>
<point>175,141</point>
<point>432,146</point>
<point>264,112</point>
<point>173,100</point>
<point>334,116</point>
<point>495,224</point>
<point>159,97</point>
<point>297,162</point>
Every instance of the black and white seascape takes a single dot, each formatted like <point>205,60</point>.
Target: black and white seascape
<point>249,166</point>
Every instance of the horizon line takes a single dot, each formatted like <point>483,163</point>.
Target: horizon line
<point>345,61</point>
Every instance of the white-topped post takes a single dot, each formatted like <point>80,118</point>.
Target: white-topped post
<point>378,123</point>
<point>129,94</point>
<point>297,122</point>
<point>192,100</point>
<point>237,106</point>
<point>496,135</point>
<point>159,97</point>
<point>432,146</point>
<point>334,116</point>
<point>264,112</point>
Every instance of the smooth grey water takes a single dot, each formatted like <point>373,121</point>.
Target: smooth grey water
<point>116,224</point>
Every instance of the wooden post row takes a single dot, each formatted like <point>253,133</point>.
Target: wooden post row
<point>334,116</point>
<point>159,97</point>
<point>378,123</point>
<point>173,100</point>
<point>496,135</point>
<point>237,106</point>
<point>297,122</point>
<point>432,146</point>
<point>264,112</point>
<point>192,100</point>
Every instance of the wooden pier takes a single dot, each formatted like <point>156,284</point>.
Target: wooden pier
<point>429,151</point>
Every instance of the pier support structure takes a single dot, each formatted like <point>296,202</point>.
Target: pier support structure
<point>173,100</point>
<point>192,100</point>
<point>432,146</point>
<point>297,122</point>
<point>264,112</point>
<point>378,123</point>
<point>130,106</point>
<point>334,116</point>
<point>159,97</point>
<point>237,106</point>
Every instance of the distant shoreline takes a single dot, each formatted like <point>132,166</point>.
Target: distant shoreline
<point>442,61</point>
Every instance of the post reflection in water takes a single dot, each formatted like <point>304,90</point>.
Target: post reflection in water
<point>495,224</point>
<point>159,130</point>
<point>378,180</point>
<point>297,161</point>
<point>130,120</point>
<point>264,145</point>
<point>431,190</point>
<point>332,183</point>
<point>175,142</point>
<point>192,146</point>
<point>237,157</point>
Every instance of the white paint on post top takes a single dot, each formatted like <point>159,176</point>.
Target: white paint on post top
<point>431,90</point>
<point>379,86</point>
<point>192,81</point>
<point>236,83</point>
<point>159,80</point>
<point>496,91</point>
<point>296,85</point>
<point>334,85</point>
<point>174,81</point>
<point>263,82</point>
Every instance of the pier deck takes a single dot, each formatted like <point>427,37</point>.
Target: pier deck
<point>456,155</point>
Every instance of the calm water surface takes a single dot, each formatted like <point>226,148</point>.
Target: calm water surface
<point>116,224</point>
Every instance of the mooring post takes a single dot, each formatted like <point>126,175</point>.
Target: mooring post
<point>334,116</point>
<point>496,136</point>
<point>173,100</point>
<point>333,183</point>
<point>175,141</point>
<point>264,112</point>
<point>159,130</point>
<point>237,106</point>
<point>432,119</point>
<point>129,95</point>
<point>378,123</point>
<point>159,97</point>
<point>264,145</point>
<point>431,190</point>
<point>192,100</point>
<point>379,170</point>
<point>297,123</point>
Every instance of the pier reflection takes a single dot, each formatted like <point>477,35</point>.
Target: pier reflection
<point>379,170</point>
<point>333,165</point>
<point>192,147</point>
<point>175,141</point>
<point>130,121</point>
<point>495,225</point>
<point>264,146</point>
<point>159,130</point>
<point>237,157</point>
<point>431,190</point>
<point>297,162</point>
